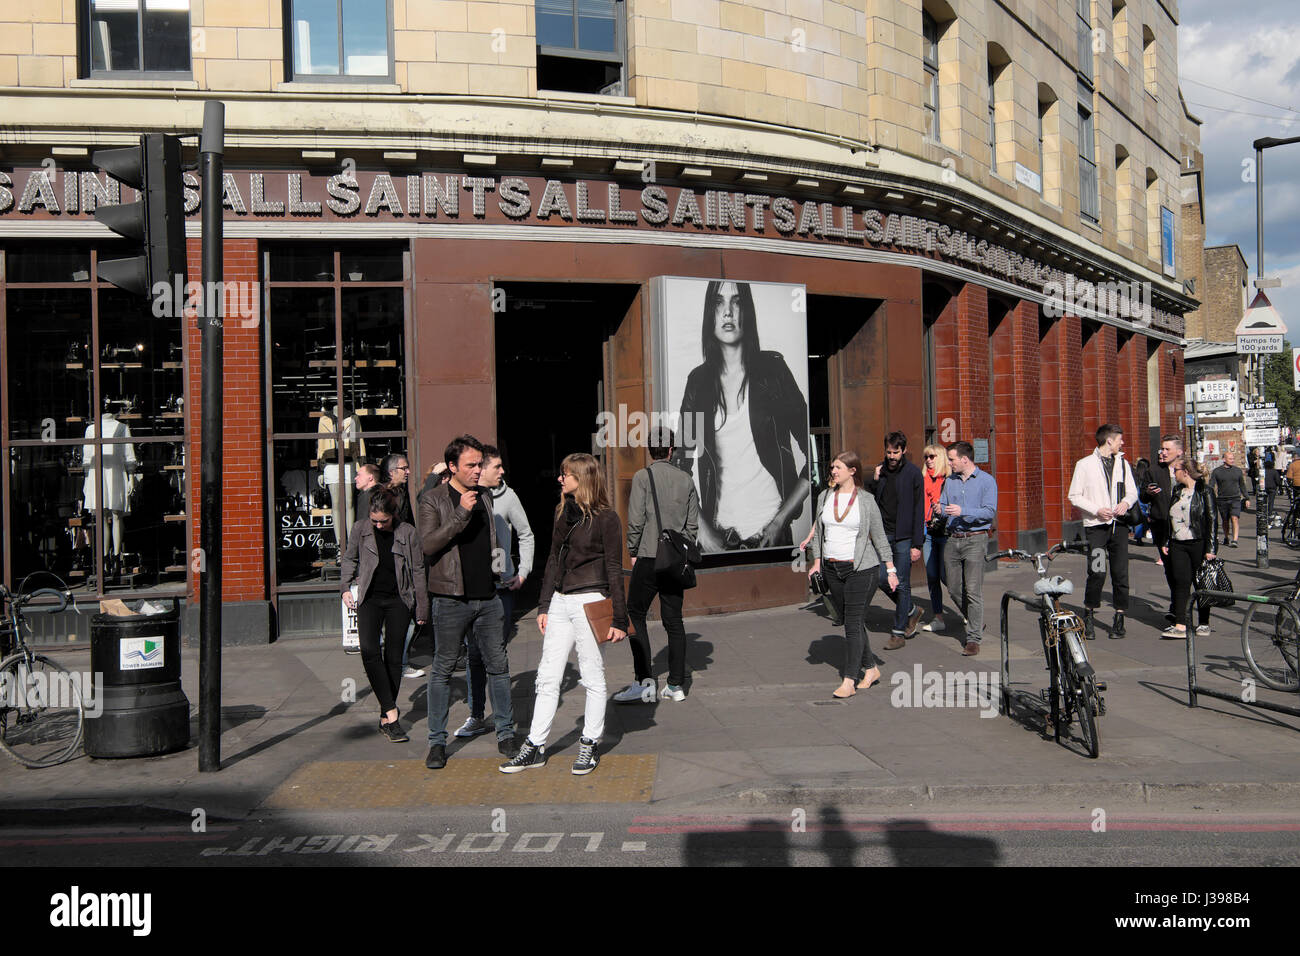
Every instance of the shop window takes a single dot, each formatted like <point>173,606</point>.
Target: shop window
<point>336,337</point>
<point>581,46</point>
<point>94,399</point>
<point>340,39</point>
<point>125,38</point>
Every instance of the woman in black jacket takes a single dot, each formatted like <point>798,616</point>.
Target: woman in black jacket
<point>1193,533</point>
<point>385,561</point>
<point>751,414</point>
<point>585,565</point>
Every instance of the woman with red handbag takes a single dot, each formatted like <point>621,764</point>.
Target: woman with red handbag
<point>585,566</point>
<point>849,536</point>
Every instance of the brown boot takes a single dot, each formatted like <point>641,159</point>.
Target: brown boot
<point>895,642</point>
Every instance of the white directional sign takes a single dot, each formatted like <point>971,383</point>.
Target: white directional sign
<point>1254,437</point>
<point>1261,329</point>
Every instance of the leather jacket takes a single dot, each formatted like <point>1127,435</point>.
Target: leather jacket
<point>361,559</point>
<point>590,560</point>
<point>778,411</point>
<point>1204,519</point>
<point>441,520</point>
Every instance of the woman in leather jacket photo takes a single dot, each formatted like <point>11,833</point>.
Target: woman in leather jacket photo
<point>752,414</point>
<point>1193,534</point>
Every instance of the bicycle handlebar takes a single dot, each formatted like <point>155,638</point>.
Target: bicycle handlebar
<point>61,597</point>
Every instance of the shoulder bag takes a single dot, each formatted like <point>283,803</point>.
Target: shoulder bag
<point>676,554</point>
<point>1212,576</point>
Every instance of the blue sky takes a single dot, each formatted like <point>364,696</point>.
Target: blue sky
<point>1239,69</point>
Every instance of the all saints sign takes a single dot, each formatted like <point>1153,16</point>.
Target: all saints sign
<point>429,197</point>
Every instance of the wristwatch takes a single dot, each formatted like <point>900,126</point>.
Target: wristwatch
<point>889,570</point>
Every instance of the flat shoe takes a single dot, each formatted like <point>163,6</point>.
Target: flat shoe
<point>838,696</point>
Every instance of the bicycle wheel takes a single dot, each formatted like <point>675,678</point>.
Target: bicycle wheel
<point>1291,530</point>
<point>1081,697</point>
<point>1272,646</point>
<point>41,713</point>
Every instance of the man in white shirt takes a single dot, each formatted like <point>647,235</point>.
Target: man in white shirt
<point>1104,489</point>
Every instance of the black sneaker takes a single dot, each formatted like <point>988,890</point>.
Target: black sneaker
<point>437,758</point>
<point>588,757</point>
<point>394,732</point>
<point>506,746</point>
<point>529,755</point>
<point>1088,632</point>
<point>1232,544</point>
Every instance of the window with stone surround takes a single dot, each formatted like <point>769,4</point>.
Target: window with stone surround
<point>346,40</point>
<point>1083,27</point>
<point>1089,197</point>
<point>1149,60</point>
<point>126,39</point>
<point>582,46</point>
<point>930,58</point>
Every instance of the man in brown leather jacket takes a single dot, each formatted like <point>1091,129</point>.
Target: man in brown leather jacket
<point>460,542</point>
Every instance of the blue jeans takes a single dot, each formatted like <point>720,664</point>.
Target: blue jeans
<point>935,575</point>
<point>902,597</point>
<point>475,675</point>
<point>453,619</point>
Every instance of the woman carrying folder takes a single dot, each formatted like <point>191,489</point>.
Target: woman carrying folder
<point>585,566</point>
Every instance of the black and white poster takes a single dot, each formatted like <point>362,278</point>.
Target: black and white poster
<point>731,378</point>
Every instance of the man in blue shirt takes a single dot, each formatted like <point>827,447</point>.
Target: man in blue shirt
<point>969,501</point>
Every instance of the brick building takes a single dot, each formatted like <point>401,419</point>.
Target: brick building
<point>458,216</point>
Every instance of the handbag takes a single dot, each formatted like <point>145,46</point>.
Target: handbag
<point>600,617</point>
<point>676,554</point>
<point>1212,576</point>
<point>817,581</point>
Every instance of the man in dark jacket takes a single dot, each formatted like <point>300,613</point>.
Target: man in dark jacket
<point>1157,495</point>
<point>899,491</point>
<point>459,539</point>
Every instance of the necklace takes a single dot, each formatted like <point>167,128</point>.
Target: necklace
<point>835,506</point>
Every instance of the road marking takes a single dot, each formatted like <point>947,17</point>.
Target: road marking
<point>633,846</point>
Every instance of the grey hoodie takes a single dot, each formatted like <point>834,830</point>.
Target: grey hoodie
<point>508,514</point>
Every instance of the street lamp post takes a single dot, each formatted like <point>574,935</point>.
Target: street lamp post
<point>1261,495</point>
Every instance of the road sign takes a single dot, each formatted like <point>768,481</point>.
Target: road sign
<point>1261,329</point>
<point>1259,415</point>
<point>1253,437</point>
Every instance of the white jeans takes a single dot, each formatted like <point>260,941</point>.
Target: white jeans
<point>567,627</point>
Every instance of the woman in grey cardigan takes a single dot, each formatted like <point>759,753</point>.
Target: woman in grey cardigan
<point>848,545</point>
<point>385,560</point>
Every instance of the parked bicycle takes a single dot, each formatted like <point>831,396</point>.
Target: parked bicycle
<point>1270,642</point>
<point>1074,693</point>
<point>1291,525</point>
<point>41,710</point>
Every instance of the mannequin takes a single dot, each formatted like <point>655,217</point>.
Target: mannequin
<point>340,464</point>
<point>119,466</point>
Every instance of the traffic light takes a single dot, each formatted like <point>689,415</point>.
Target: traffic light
<point>157,220</point>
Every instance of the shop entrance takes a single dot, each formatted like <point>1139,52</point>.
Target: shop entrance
<point>552,380</point>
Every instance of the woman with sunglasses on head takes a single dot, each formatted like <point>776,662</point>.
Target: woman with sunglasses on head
<point>848,544</point>
<point>934,473</point>
<point>1193,535</point>
<point>585,565</point>
<point>385,560</point>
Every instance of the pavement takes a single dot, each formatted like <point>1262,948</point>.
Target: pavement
<point>759,727</point>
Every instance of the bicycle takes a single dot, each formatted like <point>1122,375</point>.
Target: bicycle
<point>1291,524</point>
<point>1074,691</point>
<point>1272,646</point>
<point>41,711</point>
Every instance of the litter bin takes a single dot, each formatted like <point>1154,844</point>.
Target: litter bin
<point>144,711</point>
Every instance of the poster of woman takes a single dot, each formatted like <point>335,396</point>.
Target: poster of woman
<point>732,372</point>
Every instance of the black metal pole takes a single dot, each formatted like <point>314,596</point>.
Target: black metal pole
<point>211,164</point>
<point>1261,498</point>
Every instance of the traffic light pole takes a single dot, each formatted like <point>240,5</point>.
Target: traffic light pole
<point>211,166</point>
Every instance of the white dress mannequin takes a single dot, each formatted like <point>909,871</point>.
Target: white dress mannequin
<point>340,466</point>
<point>119,464</point>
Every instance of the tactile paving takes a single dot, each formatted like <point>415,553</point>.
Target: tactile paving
<point>465,781</point>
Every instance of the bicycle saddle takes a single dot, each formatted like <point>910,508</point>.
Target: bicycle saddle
<point>1054,586</point>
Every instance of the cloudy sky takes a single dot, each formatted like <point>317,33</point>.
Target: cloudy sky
<point>1239,68</point>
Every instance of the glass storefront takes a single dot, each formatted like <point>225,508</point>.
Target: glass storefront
<point>337,393</point>
<point>94,431</point>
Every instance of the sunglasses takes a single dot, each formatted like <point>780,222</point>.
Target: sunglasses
<point>930,457</point>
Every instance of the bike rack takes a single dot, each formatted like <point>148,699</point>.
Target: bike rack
<point>1192,690</point>
<point>1034,604</point>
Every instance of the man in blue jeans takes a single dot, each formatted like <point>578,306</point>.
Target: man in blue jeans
<point>459,538</point>
<point>899,491</point>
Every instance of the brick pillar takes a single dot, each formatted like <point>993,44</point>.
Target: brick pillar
<point>243,505</point>
<point>1017,399</point>
<point>1172,401</point>
<point>1051,378</point>
<point>1072,402</point>
<point>1132,385</point>
<point>973,366</point>
<point>1100,382</point>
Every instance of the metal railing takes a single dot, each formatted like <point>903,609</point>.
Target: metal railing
<point>1035,604</point>
<point>1193,689</point>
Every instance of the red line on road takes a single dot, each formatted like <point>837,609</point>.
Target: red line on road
<point>979,826</point>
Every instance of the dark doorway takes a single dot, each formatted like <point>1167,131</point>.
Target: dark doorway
<point>552,382</point>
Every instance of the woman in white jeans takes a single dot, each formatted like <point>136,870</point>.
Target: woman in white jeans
<point>585,565</point>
